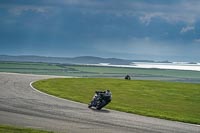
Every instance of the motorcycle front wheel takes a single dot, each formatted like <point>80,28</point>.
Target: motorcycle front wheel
<point>89,106</point>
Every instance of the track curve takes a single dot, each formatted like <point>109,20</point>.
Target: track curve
<point>20,105</point>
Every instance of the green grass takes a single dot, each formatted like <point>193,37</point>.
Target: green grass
<point>139,71</point>
<point>12,129</point>
<point>27,65</point>
<point>168,100</point>
<point>99,71</point>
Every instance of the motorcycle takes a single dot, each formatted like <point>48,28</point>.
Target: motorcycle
<point>99,101</point>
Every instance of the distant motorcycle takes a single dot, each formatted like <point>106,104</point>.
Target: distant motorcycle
<point>100,99</point>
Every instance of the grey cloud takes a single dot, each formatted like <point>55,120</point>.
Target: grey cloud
<point>184,11</point>
<point>20,9</point>
<point>186,29</point>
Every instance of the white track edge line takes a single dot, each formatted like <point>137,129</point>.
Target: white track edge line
<point>52,95</point>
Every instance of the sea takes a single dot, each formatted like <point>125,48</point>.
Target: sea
<point>158,65</point>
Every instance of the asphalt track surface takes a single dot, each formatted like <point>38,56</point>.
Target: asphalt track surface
<point>21,105</point>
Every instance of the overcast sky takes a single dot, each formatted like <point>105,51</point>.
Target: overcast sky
<point>128,29</point>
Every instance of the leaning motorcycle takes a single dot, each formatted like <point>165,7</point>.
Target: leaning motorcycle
<point>98,102</point>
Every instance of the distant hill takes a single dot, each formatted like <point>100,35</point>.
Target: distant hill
<point>68,60</point>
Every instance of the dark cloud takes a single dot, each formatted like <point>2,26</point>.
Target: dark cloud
<point>100,27</point>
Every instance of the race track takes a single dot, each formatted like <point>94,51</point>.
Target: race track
<point>20,105</point>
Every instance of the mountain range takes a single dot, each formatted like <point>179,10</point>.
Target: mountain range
<point>69,60</point>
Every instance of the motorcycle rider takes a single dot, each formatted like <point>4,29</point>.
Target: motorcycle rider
<point>102,96</point>
<point>107,96</point>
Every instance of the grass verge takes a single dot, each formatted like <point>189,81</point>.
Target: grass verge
<point>12,129</point>
<point>168,100</point>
